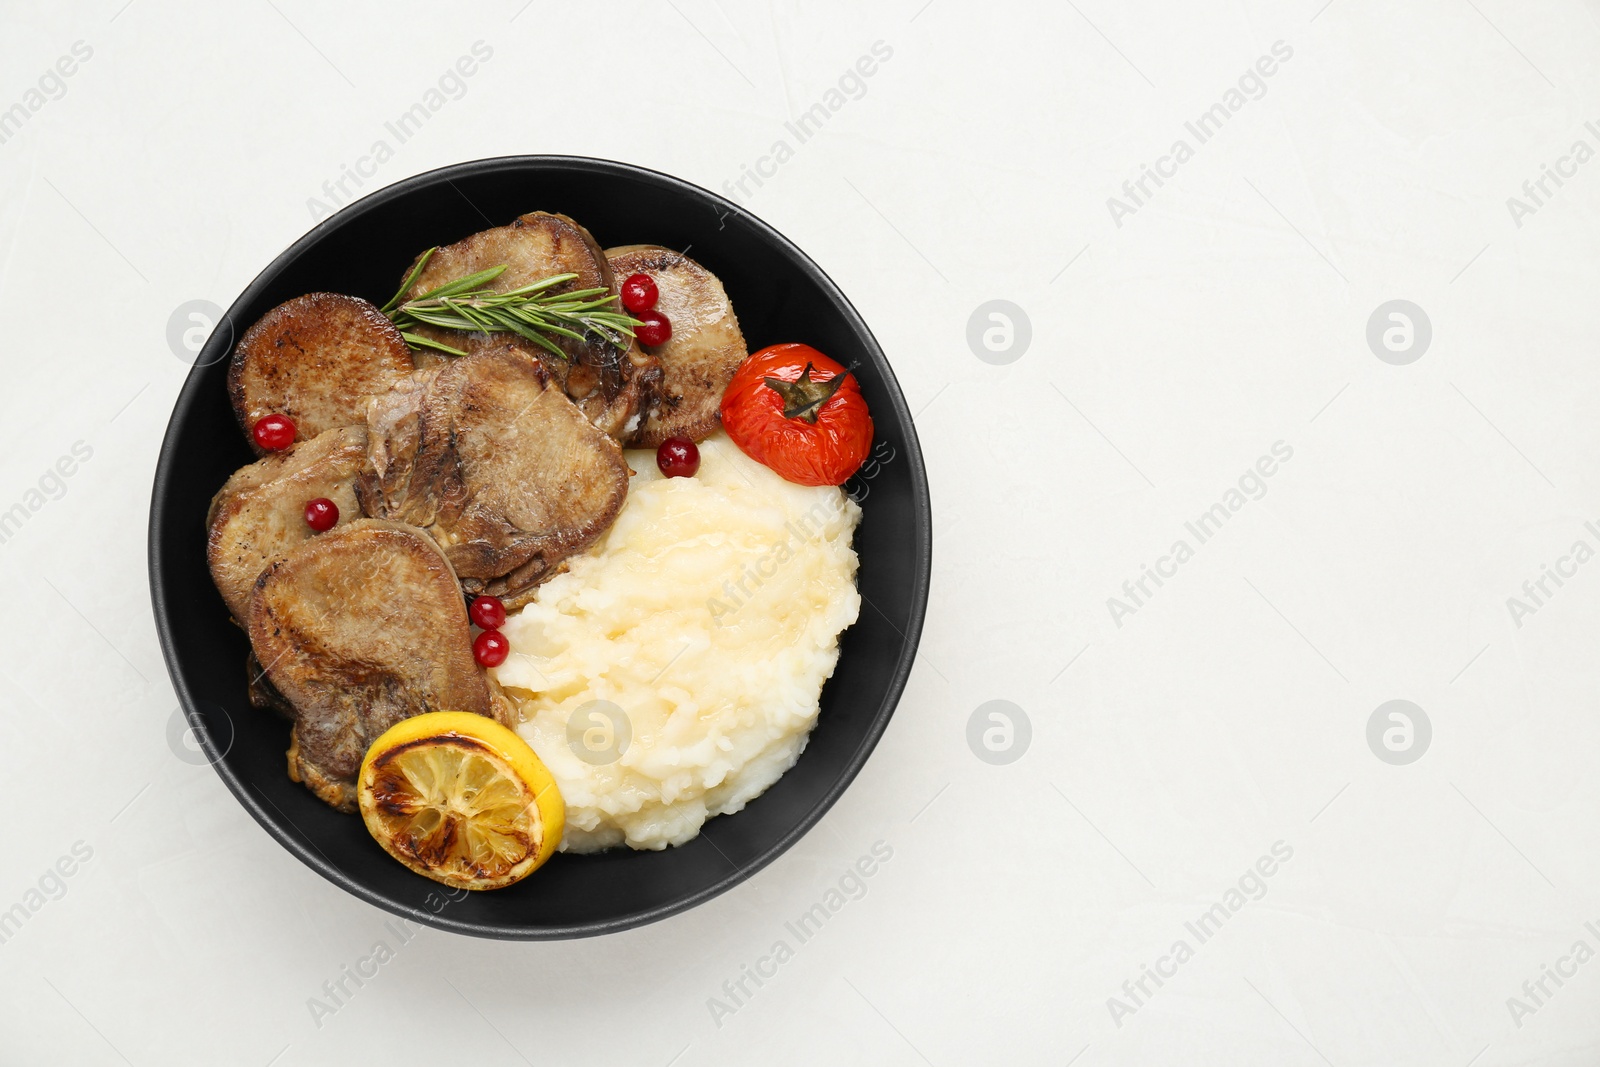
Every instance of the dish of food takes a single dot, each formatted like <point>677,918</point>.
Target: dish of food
<point>466,440</point>
<point>542,525</point>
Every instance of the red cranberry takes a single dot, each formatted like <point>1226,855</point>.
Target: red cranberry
<point>321,514</point>
<point>487,612</point>
<point>491,648</point>
<point>639,293</point>
<point>273,432</point>
<point>678,457</point>
<point>654,328</point>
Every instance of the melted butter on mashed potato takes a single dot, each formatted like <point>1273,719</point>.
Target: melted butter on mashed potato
<point>710,616</point>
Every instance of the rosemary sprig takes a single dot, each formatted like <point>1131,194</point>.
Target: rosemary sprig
<point>529,311</point>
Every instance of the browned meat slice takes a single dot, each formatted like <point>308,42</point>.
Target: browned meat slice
<point>497,464</point>
<point>259,514</point>
<point>607,385</point>
<point>699,359</point>
<point>316,359</point>
<point>359,628</point>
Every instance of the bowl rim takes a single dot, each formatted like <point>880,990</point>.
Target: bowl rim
<point>275,822</point>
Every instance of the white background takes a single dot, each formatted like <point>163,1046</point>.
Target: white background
<point>1167,354</point>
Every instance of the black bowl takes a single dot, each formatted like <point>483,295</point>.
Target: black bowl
<point>780,295</point>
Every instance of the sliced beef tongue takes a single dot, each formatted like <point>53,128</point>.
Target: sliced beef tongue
<point>497,464</point>
<point>609,386</point>
<point>699,359</point>
<point>359,628</point>
<point>315,359</point>
<point>259,514</point>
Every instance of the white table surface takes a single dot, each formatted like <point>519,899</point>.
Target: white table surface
<point>1227,714</point>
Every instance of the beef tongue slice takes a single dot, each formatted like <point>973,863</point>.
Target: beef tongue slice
<point>490,457</point>
<point>359,628</point>
<point>315,359</point>
<point>697,362</point>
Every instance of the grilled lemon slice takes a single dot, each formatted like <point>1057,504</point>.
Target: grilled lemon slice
<point>460,799</point>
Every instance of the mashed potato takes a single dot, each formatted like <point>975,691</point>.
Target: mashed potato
<point>673,672</point>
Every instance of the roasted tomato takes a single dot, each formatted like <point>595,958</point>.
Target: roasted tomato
<point>800,413</point>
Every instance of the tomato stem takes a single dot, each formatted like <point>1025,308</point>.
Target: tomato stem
<point>803,399</point>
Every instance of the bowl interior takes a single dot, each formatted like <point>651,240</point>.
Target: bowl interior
<point>779,295</point>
